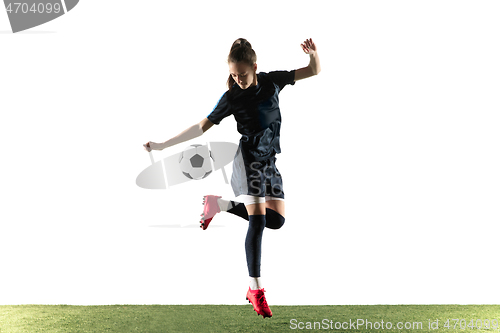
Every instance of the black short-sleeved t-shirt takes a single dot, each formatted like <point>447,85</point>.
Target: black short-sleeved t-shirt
<point>257,113</point>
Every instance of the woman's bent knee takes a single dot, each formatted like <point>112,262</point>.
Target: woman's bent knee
<point>274,220</point>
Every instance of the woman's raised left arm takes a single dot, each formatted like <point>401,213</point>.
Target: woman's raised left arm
<point>314,66</point>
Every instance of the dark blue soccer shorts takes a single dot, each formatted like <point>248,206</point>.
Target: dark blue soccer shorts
<point>257,181</point>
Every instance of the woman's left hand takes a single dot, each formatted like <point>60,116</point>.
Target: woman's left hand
<point>309,47</point>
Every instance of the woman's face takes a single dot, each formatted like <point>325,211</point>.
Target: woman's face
<point>243,74</point>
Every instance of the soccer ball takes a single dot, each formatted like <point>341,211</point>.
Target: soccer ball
<point>194,162</point>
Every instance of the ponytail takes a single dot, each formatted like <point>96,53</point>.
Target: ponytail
<point>241,51</point>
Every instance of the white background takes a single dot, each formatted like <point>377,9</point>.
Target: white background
<point>390,156</point>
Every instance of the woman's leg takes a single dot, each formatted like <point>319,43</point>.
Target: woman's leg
<point>274,211</point>
<point>253,245</point>
<point>276,205</point>
<point>253,242</point>
<point>256,209</point>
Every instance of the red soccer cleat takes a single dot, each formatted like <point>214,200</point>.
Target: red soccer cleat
<point>211,207</point>
<point>258,300</point>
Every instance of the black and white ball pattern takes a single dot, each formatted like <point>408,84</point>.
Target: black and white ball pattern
<point>195,162</point>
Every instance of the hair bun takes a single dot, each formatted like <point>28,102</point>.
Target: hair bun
<point>241,42</point>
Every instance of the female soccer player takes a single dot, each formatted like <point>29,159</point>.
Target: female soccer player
<point>253,101</point>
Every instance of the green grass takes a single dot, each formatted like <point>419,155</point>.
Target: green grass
<point>234,318</point>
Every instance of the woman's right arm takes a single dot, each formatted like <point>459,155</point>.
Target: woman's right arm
<point>190,133</point>
<point>206,124</point>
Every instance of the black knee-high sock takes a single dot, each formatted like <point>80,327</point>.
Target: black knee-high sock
<point>253,243</point>
<point>274,220</point>
<point>238,210</point>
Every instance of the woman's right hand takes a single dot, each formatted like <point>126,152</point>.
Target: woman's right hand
<point>147,146</point>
